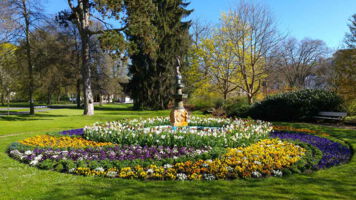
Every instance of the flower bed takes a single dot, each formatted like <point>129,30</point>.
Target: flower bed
<point>301,130</point>
<point>267,157</point>
<point>73,132</point>
<point>62,142</point>
<point>209,149</point>
<point>217,132</point>
<point>256,160</point>
<point>334,153</point>
<point>110,153</point>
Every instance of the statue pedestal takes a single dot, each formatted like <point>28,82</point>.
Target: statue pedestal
<point>179,117</point>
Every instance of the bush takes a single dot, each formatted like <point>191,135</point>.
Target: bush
<point>205,103</point>
<point>295,106</point>
<point>351,107</point>
<point>236,107</point>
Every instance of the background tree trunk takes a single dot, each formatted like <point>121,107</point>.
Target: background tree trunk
<point>2,99</point>
<point>49,98</point>
<point>78,93</point>
<point>86,73</point>
<point>29,60</point>
<point>101,100</point>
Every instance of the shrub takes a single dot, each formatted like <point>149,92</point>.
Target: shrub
<point>205,103</point>
<point>236,107</point>
<point>295,106</point>
<point>351,107</point>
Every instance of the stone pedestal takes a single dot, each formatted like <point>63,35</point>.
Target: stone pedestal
<point>179,117</point>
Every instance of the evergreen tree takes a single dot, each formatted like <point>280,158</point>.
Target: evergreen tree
<point>350,38</point>
<point>157,36</point>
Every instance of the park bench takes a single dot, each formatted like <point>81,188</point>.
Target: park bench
<point>339,116</point>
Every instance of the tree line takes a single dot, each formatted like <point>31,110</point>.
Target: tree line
<point>244,55</point>
<point>104,48</point>
<point>80,49</point>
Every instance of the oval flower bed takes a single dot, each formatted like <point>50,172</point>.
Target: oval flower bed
<point>211,148</point>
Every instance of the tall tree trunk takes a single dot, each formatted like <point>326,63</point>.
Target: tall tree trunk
<point>2,99</point>
<point>29,60</point>
<point>82,12</point>
<point>84,31</point>
<point>86,72</point>
<point>49,97</point>
<point>8,104</point>
<point>78,93</point>
<point>100,100</point>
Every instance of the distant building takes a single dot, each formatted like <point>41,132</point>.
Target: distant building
<point>125,99</point>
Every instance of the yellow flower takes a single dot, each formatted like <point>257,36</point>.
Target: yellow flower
<point>61,142</point>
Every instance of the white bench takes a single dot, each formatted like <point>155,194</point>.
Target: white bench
<point>331,115</point>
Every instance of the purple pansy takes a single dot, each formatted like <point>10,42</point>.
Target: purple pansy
<point>333,153</point>
<point>116,153</point>
<point>79,131</point>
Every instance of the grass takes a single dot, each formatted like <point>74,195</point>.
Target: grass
<point>20,181</point>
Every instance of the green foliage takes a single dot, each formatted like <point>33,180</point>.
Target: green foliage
<point>344,73</point>
<point>68,165</point>
<point>351,107</point>
<point>47,164</point>
<point>311,158</point>
<point>93,164</point>
<point>350,38</point>
<point>59,167</point>
<point>205,103</point>
<point>295,106</point>
<point>236,107</point>
<point>19,146</point>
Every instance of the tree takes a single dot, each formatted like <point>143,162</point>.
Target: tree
<point>68,27</point>
<point>7,25</point>
<point>251,30</point>
<point>81,14</point>
<point>344,70</point>
<point>55,60</point>
<point>157,37</point>
<point>220,63</point>
<point>8,71</point>
<point>297,60</point>
<point>25,15</point>
<point>350,38</point>
<point>195,76</point>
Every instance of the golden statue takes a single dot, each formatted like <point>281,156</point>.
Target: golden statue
<point>179,117</point>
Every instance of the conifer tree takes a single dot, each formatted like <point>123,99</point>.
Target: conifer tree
<point>350,38</point>
<point>158,35</point>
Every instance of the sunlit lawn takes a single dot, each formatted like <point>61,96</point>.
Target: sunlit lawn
<point>20,181</point>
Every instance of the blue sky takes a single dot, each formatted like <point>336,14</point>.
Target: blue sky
<point>317,19</point>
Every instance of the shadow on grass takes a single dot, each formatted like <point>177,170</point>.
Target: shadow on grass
<point>27,117</point>
<point>105,107</point>
<point>138,113</point>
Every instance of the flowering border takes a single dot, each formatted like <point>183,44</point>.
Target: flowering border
<point>269,157</point>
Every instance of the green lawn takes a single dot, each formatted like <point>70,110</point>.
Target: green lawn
<point>20,181</point>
